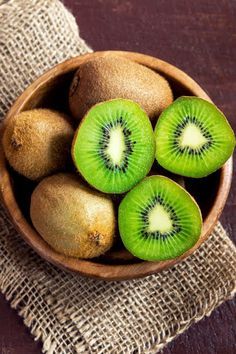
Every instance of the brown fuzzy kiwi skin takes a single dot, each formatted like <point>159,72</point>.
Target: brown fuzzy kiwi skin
<point>106,78</point>
<point>72,218</point>
<point>37,142</point>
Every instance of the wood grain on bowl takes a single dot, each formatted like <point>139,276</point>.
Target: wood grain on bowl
<point>51,90</point>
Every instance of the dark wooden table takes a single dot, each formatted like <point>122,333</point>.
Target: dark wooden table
<point>199,36</point>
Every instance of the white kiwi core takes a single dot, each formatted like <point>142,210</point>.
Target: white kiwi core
<point>192,137</point>
<point>159,220</point>
<point>116,145</point>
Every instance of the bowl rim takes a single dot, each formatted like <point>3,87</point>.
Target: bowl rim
<point>88,267</point>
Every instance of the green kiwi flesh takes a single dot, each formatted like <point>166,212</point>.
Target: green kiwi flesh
<point>114,146</point>
<point>193,138</point>
<point>111,77</point>
<point>72,218</point>
<point>158,220</point>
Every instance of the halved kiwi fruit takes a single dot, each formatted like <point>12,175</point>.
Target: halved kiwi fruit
<point>114,146</point>
<point>159,220</point>
<point>193,138</point>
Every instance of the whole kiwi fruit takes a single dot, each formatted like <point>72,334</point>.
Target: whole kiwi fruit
<point>72,218</point>
<point>112,77</point>
<point>37,142</point>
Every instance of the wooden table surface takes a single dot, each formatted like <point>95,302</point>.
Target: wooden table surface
<point>198,36</point>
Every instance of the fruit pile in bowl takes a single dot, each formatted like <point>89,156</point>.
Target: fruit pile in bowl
<point>115,165</point>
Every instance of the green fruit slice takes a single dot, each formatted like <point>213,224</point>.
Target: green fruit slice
<point>193,138</point>
<point>114,146</point>
<point>159,220</point>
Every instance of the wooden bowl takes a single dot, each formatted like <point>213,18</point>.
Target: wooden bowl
<point>51,90</point>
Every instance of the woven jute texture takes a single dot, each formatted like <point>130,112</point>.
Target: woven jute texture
<point>68,313</point>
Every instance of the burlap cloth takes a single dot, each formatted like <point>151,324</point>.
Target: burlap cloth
<point>68,313</point>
